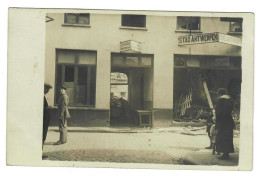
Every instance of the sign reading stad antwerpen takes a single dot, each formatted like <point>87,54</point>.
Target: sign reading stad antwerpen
<point>209,38</point>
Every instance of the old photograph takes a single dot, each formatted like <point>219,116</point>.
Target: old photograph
<point>143,87</point>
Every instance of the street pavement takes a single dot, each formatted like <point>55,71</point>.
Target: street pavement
<point>174,145</point>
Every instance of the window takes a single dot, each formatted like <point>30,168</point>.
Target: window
<point>188,23</point>
<point>69,74</point>
<point>235,27</point>
<point>235,24</point>
<point>134,21</point>
<point>76,70</point>
<point>131,60</point>
<point>207,62</point>
<point>77,18</point>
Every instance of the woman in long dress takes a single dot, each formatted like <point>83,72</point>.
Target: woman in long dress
<point>224,124</point>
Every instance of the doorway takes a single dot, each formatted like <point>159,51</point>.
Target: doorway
<point>131,88</point>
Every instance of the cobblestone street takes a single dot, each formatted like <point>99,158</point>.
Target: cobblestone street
<point>161,146</point>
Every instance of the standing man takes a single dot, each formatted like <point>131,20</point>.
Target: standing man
<point>46,115</point>
<point>224,124</point>
<point>63,114</point>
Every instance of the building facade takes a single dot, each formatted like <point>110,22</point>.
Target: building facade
<point>162,58</point>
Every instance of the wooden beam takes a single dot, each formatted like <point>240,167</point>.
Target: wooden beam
<point>207,95</point>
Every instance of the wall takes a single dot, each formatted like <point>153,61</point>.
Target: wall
<point>148,88</point>
<point>83,118</point>
<point>104,36</point>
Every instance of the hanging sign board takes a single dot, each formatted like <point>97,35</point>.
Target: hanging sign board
<point>228,39</point>
<point>209,38</point>
<point>130,46</point>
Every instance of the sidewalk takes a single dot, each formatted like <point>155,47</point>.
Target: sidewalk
<point>205,158</point>
<point>191,130</point>
<point>173,145</point>
<point>105,129</point>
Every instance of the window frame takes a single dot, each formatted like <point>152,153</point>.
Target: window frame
<point>230,20</point>
<point>75,65</point>
<point>241,25</point>
<point>137,55</point>
<point>77,19</point>
<point>188,30</point>
<point>133,27</point>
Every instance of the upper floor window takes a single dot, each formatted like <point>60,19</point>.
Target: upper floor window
<point>134,21</point>
<point>188,23</point>
<point>235,24</point>
<point>77,18</point>
<point>235,27</point>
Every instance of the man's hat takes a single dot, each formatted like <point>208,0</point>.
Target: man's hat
<point>63,87</point>
<point>47,85</point>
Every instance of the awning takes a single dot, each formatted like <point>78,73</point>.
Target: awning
<point>209,38</point>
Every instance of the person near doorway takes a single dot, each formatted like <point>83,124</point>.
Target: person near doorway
<point>209,115</point>
<point>63,114</point>
<point>224,124</point>
<point>46,116</point>
<point>213,135</point>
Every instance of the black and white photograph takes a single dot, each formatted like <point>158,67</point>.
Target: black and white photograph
<point>143,89</point>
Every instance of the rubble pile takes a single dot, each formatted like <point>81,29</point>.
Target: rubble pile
<point>121,112</point>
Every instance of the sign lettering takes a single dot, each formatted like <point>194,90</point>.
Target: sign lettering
<point>200,38</point>
<point>209,38</point>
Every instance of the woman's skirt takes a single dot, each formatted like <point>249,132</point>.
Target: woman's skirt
<point>224,141</point>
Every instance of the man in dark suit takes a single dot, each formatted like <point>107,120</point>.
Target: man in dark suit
<point>46,115</point>
<point>63,114</point>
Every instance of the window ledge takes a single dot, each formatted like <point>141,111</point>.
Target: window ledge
<point>235,33</point>
<point>76,25</point>
<point>188,31</point>
<point>134,28</point>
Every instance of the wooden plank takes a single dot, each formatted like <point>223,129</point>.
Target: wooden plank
<point>207,94</point>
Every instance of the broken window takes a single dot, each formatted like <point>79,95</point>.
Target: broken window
<point>77,18</point>
<point>134,20</point>
<point>235,24</point>
<point>188,23</point>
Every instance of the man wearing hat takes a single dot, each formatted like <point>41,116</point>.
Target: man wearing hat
<point>46,115</point>
<point>63,114</point>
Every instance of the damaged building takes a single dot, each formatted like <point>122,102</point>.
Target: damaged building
<point>135,69</point>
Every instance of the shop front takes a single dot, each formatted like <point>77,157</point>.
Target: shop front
<point>197,80</point>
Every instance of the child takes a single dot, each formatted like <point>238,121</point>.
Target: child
<point>213,135</point>
<point>209,125</point>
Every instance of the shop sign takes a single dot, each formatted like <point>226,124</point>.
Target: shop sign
<point>228,39</point>
<point>130,46</point>
<point>209,38</point>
